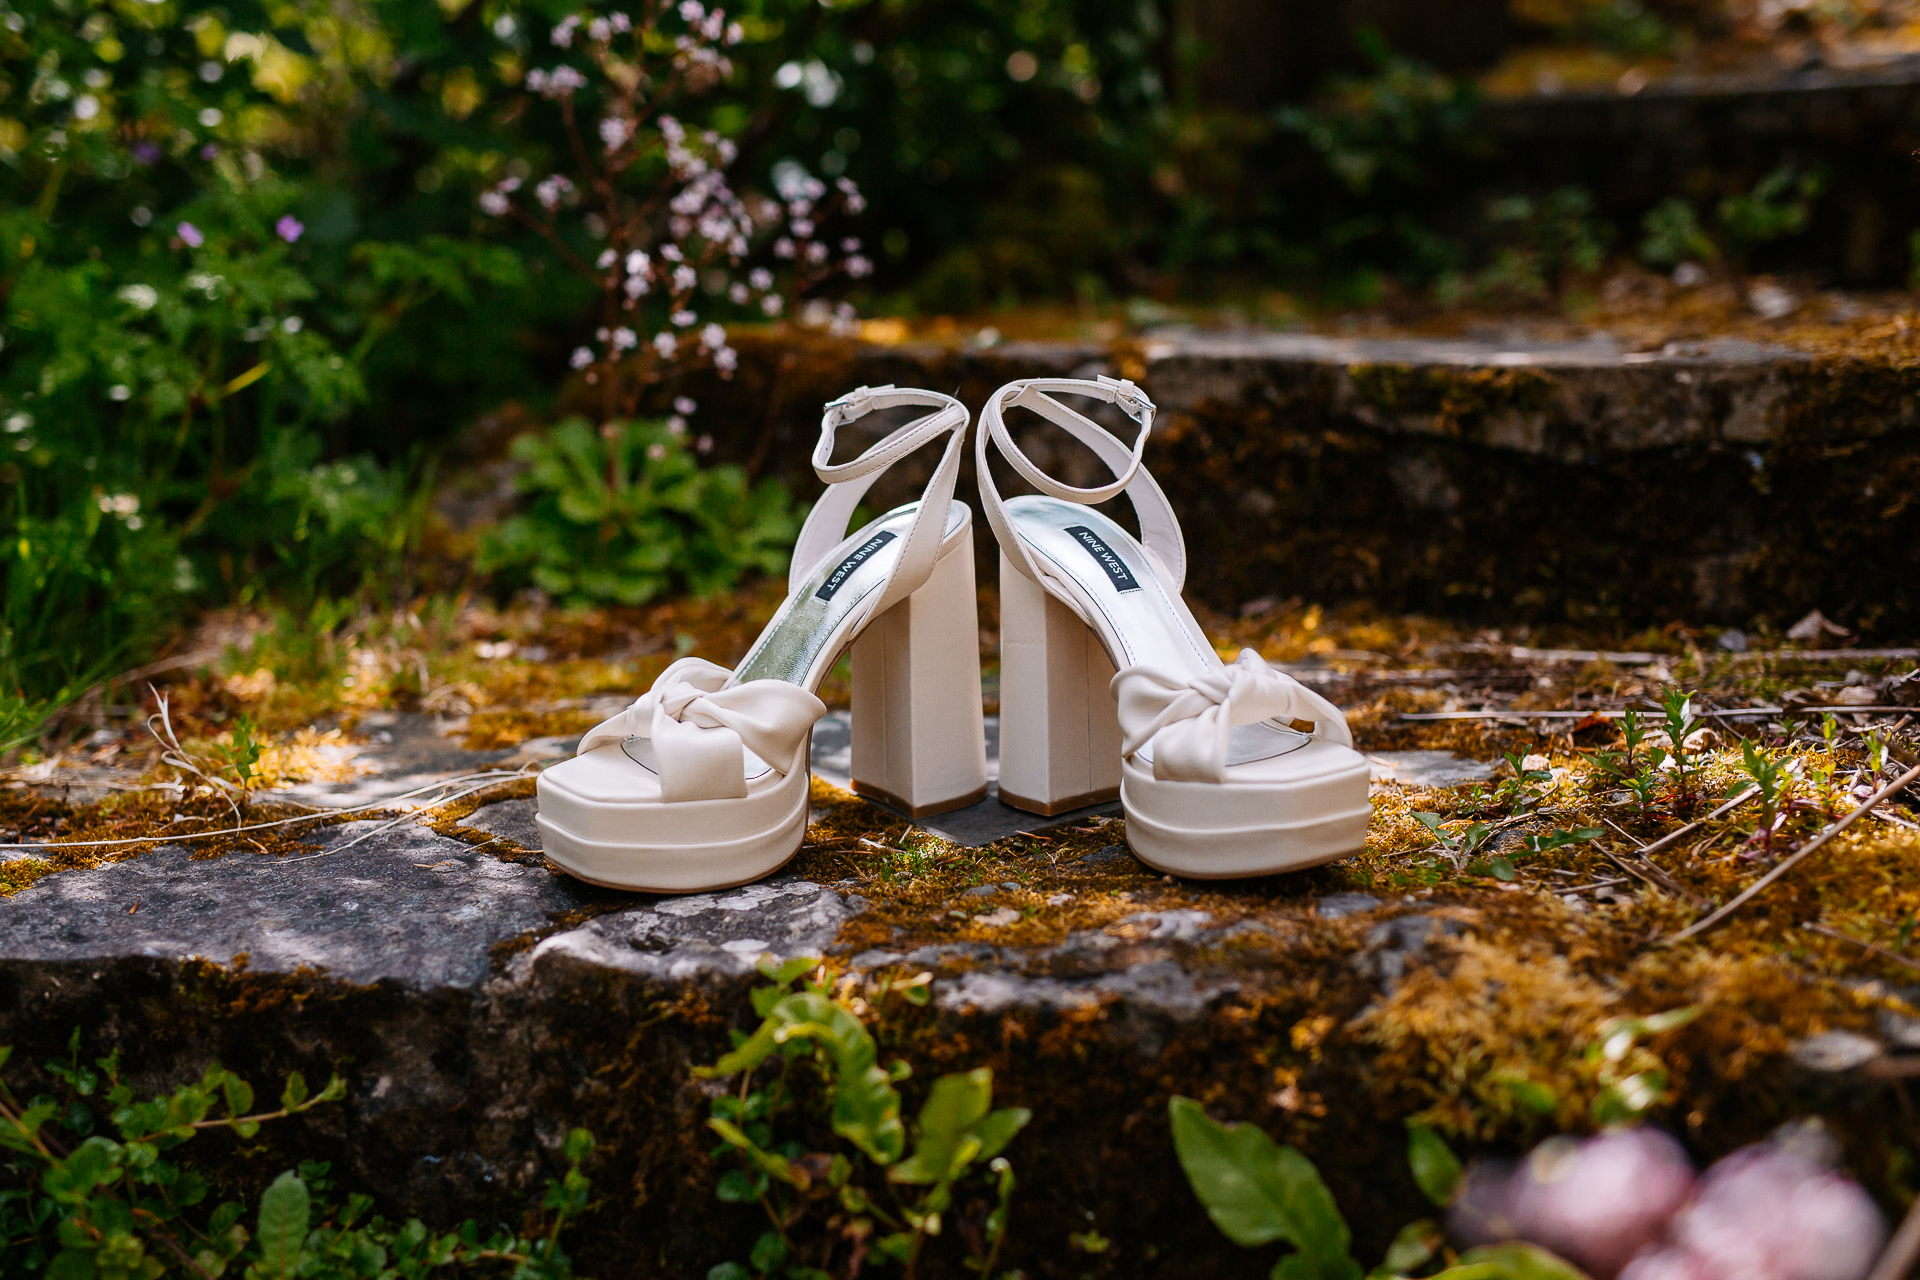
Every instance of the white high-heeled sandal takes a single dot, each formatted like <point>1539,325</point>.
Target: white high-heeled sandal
<point>1224,771</point>
<point>702,783</point>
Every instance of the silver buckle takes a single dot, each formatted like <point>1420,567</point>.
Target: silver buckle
<point>856,403</point>
<point>1125,393</point>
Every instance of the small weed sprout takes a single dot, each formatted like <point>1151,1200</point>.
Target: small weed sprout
<point>1618,766</point>
<point>1459,847</point>
<point>1677,705</point>
<point>1519,791</point>
<point>1645,787</point>
<point>1876,755</point>
<point>1773,778</point>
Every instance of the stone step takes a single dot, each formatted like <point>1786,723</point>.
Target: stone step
<point>479,1006</point>
<point>1723,481</point>
<point>1703,136</point>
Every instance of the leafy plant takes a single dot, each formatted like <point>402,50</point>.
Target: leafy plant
<point>1674,235</point>
<point>79,1205</point>
<point>1779,205</point>
<point>1257,1191</point>
<point>812,1038</point>
<point>621,514</point>
<point>1677,706</point>
<point>1773,779</point>
<point>1517,791</point>
<point>1632,1080</point>
<point>1546,239</point>
<point>1458,846</point>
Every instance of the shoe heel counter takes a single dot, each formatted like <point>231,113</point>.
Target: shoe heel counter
<point>1059,729</point>
<point>919,741</point>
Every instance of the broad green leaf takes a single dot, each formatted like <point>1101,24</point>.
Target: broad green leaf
<point>769,1252</point>
<point>999,1128</point>
<point>1435,1168</point>
<point>1412,1249</point>
<point>296,1091</point>
<point>1308,1266</point>
<point>1257,1191</point>
<point>94,1163</point>
<point>284,1209</point>
<point>728,1271</point>
<point>737,1186</point>
<point>945,1145</point>
<point>1511,1262</point>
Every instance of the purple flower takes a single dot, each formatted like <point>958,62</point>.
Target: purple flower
<point>191,234</point>
<point>289,228</point>
<point>209,151</point>
<point>146,153</point>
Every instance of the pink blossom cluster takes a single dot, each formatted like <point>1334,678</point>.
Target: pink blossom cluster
<point>669,240</point>
<point>1628,1205</point>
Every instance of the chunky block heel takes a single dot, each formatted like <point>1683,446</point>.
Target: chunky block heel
<point>919,743</point>
<point>1223,771</point>
<point>1059,733</point>
<point>702,783</point>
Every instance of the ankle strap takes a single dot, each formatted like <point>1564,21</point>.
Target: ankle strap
<point>1159,529</point>
<point>826,525</point>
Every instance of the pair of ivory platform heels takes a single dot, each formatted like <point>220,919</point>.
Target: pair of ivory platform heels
<point>1224,771</point>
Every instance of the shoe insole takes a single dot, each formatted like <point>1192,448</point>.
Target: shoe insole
<point>1139,621</point>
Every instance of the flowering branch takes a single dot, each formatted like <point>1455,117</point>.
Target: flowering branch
<point>672,224</point>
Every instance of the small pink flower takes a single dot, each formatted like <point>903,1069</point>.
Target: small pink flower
<point>191,235</point>
<point>289,228</point>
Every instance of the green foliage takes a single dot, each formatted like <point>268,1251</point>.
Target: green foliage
<point>1513,1261</point>
<point>1434,1165</point>
<point>1459,846</point>
<point>1674,235</point>
<point>1773,779</point>
<point>188,325</point>
<point>1544,241</point>
<point>1631,1084</point>
<point>1257,1191</point>
<point>1779,205</point>
<point>1677,706</point>
<point>1379,150</point>
<point>76,1204</point>
<point>621,514</point>
<point>812,1039</point>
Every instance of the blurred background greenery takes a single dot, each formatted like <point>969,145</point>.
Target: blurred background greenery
<point>250,299</point>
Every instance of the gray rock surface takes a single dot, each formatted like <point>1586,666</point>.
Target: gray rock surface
<point>377,903</point>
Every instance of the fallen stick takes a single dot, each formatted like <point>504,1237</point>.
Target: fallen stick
<point>1728,714</point>
<point>1674,837</point>
<point>1654,876</point>
<point>1873,948</point>
<point>1902,1251</point>
<point>1753,890</point>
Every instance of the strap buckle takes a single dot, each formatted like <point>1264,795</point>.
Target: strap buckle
<point>857,403</point>
<point>1126,394</point>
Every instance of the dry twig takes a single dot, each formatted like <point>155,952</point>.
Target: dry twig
<point>1902,1251</point>
<point>1753,890</point>
<point>1873,948</point>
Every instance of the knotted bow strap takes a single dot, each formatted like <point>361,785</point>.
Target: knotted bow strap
<point>1188,720</point>
<point>701,728</point>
